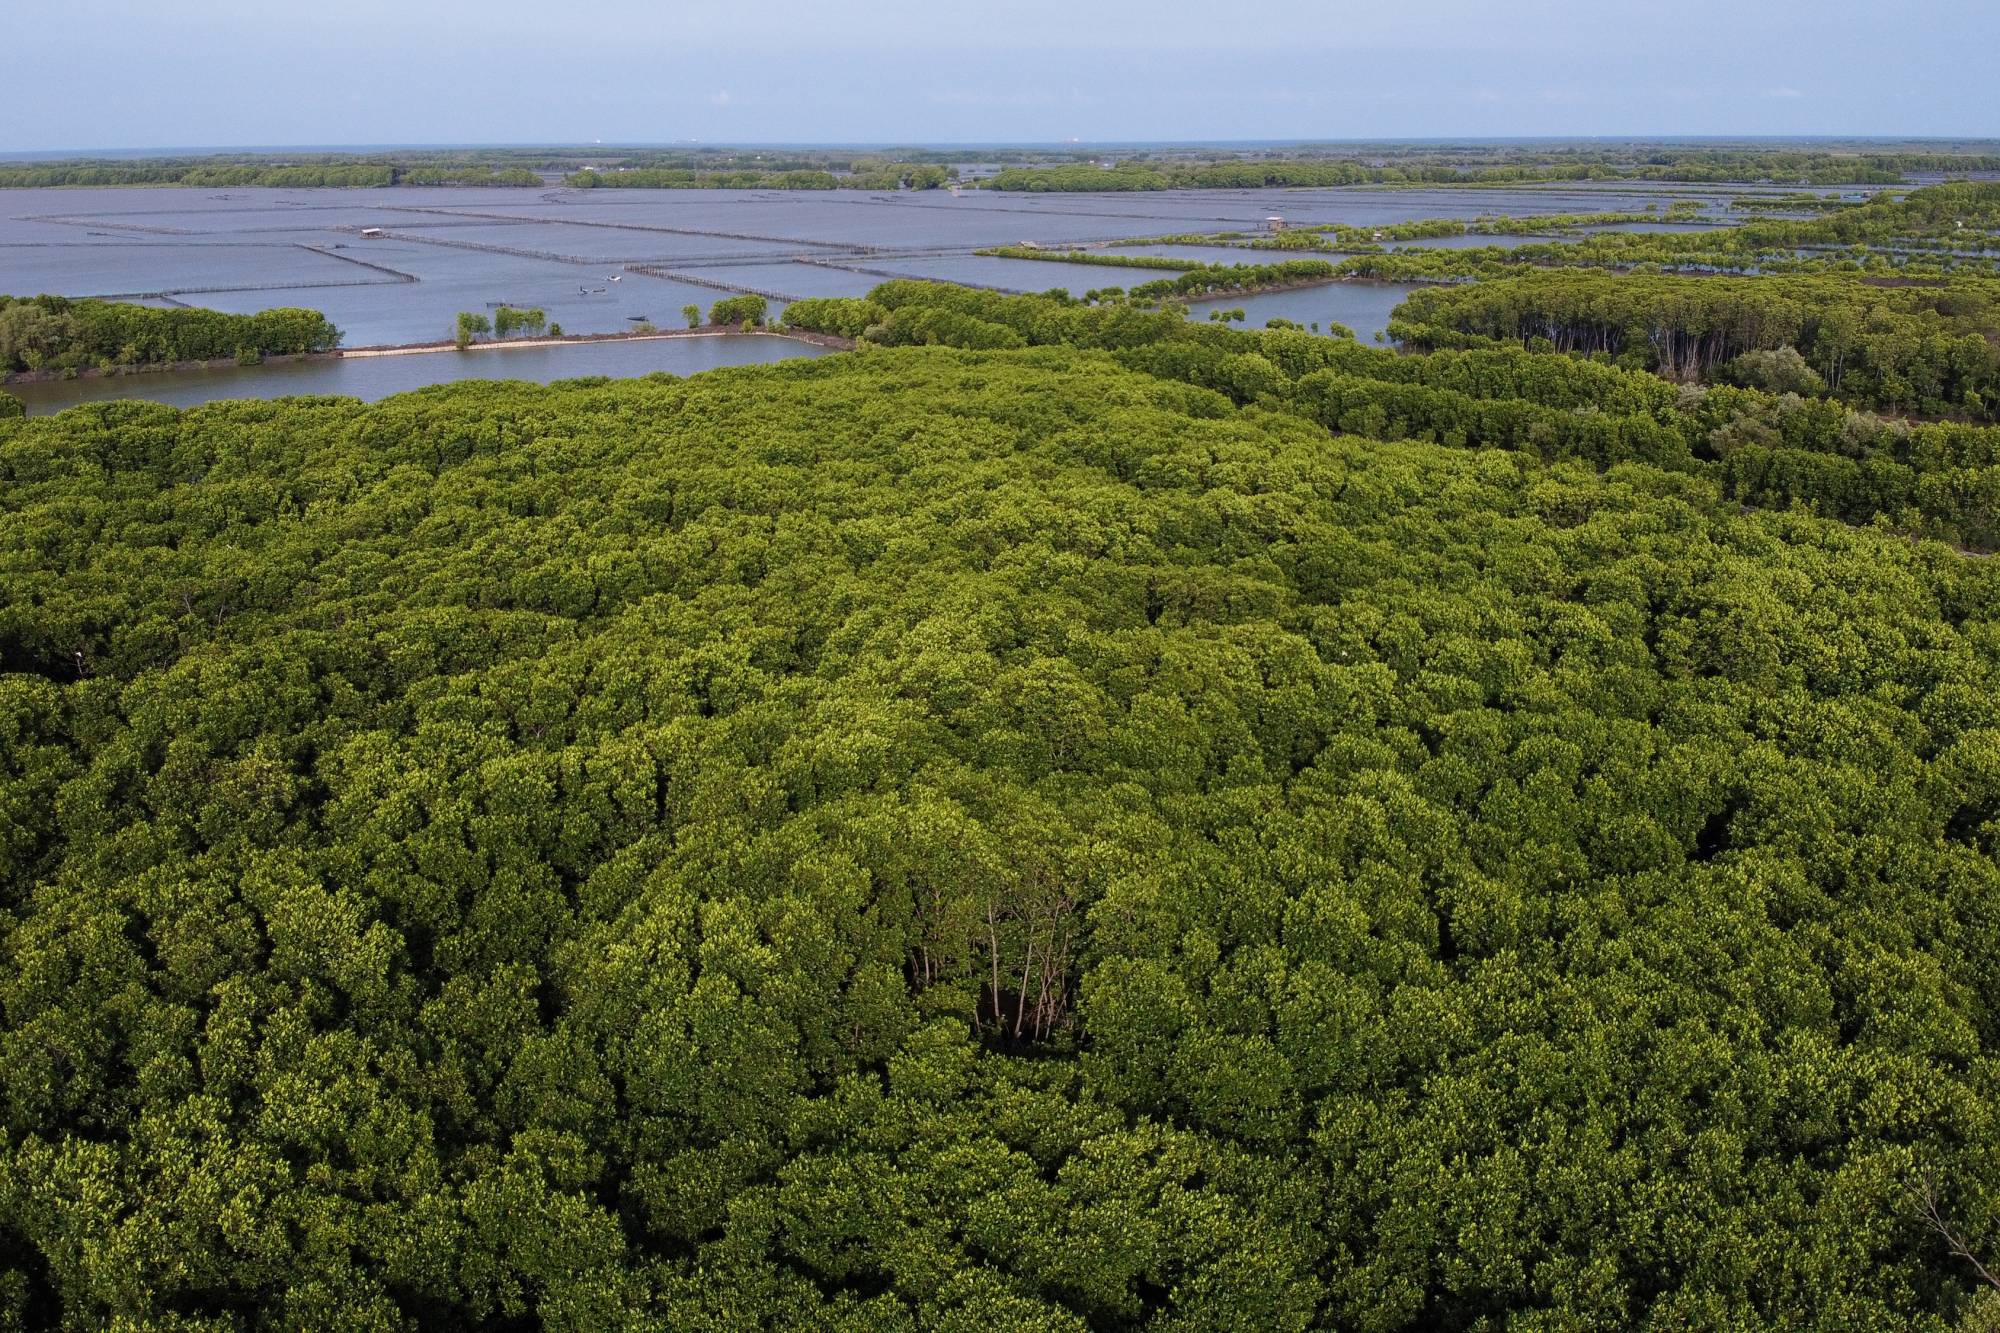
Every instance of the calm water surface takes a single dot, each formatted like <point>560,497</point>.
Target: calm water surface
<point>373,377</point>
<point>577,254</point>
<point>1361,306</point>
<point>1466,242</point>
<point>1024,275</point>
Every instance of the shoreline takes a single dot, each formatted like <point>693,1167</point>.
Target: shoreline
<point>1270,288</point>
<point>826,340</point>
<point>569,339</point>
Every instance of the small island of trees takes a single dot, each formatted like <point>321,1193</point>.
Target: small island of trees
<point>59,333</point>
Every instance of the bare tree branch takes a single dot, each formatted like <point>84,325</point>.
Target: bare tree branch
<point>1924,1194</point>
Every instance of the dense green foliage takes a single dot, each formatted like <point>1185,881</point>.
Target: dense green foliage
<point>464,176</point>
<point>974,840</point>
<point>1069,817</point>
<point>747,310</point>
<point>1947,214</point>
<point>842,317</point>
<point>908,311</point>
<point>1078,177</point>
<point>64,333</point>
<point>1923,348</point>
<point>1770,448</point>
<point>10,406</point>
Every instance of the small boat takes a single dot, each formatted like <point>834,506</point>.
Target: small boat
<point>636,319</point>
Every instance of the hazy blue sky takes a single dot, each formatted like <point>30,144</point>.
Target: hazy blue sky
<point>139,73</point>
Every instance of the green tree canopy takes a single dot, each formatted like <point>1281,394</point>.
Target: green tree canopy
<point>973,839</point>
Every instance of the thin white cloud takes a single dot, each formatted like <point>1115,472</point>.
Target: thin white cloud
<point>1783,94</point>
<point>720,99</point>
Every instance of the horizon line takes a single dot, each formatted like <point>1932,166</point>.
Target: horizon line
<point>994,144</point>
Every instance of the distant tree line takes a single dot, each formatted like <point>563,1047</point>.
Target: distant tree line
<point>1686,166</point>
<point>319,176</point>
<point>1106,259</point>
<point>896,176</point>
<point>1936,232</point>
<point>1076,177</point>
<point>1932,232</point>
<point>1188,167</point>
<point>653,178</point>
